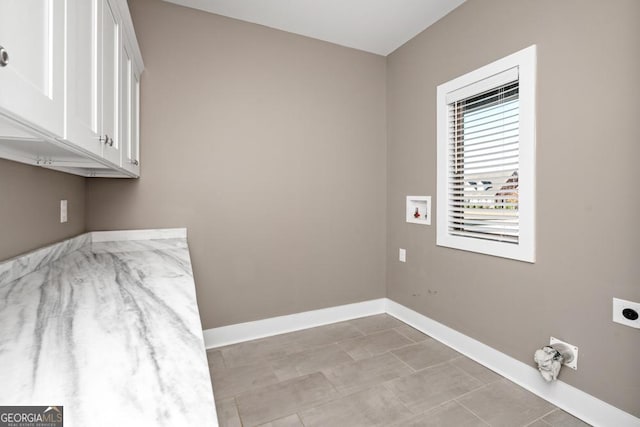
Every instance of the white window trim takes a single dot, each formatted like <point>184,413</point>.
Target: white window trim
<point>525,60</point>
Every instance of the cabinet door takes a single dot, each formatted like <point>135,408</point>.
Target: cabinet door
<point>130,85</point>
<point>110,71</point>
<point>83,85</point>
<point>32,81</point>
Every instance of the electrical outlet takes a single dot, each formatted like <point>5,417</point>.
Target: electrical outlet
<point>626,312</point>
<point>63,211</point>
<point>402,255</point>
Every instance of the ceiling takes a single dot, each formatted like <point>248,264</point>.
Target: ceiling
<point>376,26</point>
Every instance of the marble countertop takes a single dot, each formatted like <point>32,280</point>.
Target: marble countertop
<point>108,329</point>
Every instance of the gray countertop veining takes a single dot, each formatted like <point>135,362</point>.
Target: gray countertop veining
<point>108,329</point>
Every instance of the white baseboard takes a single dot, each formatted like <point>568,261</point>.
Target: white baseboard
<point>582,405</point>
<point>225,335</point>
<point>578,403</point>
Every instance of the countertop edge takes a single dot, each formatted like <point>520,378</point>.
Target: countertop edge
<point>150,234</point>
<point>21,265</point>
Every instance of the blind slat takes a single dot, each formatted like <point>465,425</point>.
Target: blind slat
<point>475,177</point>
<point>500,123</point>
<point>488,217</point>
<point>475,138</point>
<point>510,139</point>
<point>507,224</point>
<point>488,230</point>
<point>508,146</point>
<point>494,237</point>
<point>469,199</point>
<point>483,106</point>
<point>499,160</point>
<point>479,169</point>
<point>485,109</point>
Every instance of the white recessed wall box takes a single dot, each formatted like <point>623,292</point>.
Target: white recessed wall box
<point>419,210</point>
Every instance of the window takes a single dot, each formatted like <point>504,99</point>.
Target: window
<point>486,159</point>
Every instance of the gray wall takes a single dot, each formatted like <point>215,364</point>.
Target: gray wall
<point>588,239</point>
<point>271,149</point>
<point>30,207</point>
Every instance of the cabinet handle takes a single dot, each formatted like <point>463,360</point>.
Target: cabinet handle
<point>135,162</point>
<point>4,57</point>
<point>106,139</point>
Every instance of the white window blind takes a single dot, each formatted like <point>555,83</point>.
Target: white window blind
<point>484,163</point>
<point>486,159</point>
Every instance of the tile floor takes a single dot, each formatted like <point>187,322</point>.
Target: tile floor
<point>373,371</point>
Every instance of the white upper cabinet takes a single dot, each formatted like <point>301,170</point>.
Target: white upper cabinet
<point>32,63</point>
<point>85,102</point>
<point>94,78</point>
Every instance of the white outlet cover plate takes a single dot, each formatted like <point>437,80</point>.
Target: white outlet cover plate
<point>402,255</point>
<point>63,211</point>
<point>618,306</point>
<point>574,363</point>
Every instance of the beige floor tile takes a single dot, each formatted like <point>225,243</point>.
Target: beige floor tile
<point>365,373</point>
<point>560,418</point>
<point>413,334</point>
<point>433,386</point>
<point>376,323</point>
<point>449,414</point>
<point>425,354</point>
<point>368,408</point>
<point>320,380</point>
<point>373,344</point>
<point>228,413</point>
<point>216,361</point>
<point>328,334</point>
<point>309,361</point>
<point>290,421</point>
<point>229,382</point>
<point>503,403</point>
<point>262,350</point>
<point>269,403</point>
<point>476,370</point>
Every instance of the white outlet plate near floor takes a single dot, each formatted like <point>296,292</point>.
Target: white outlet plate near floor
<point>618,306</point>
<point>574,363</point>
